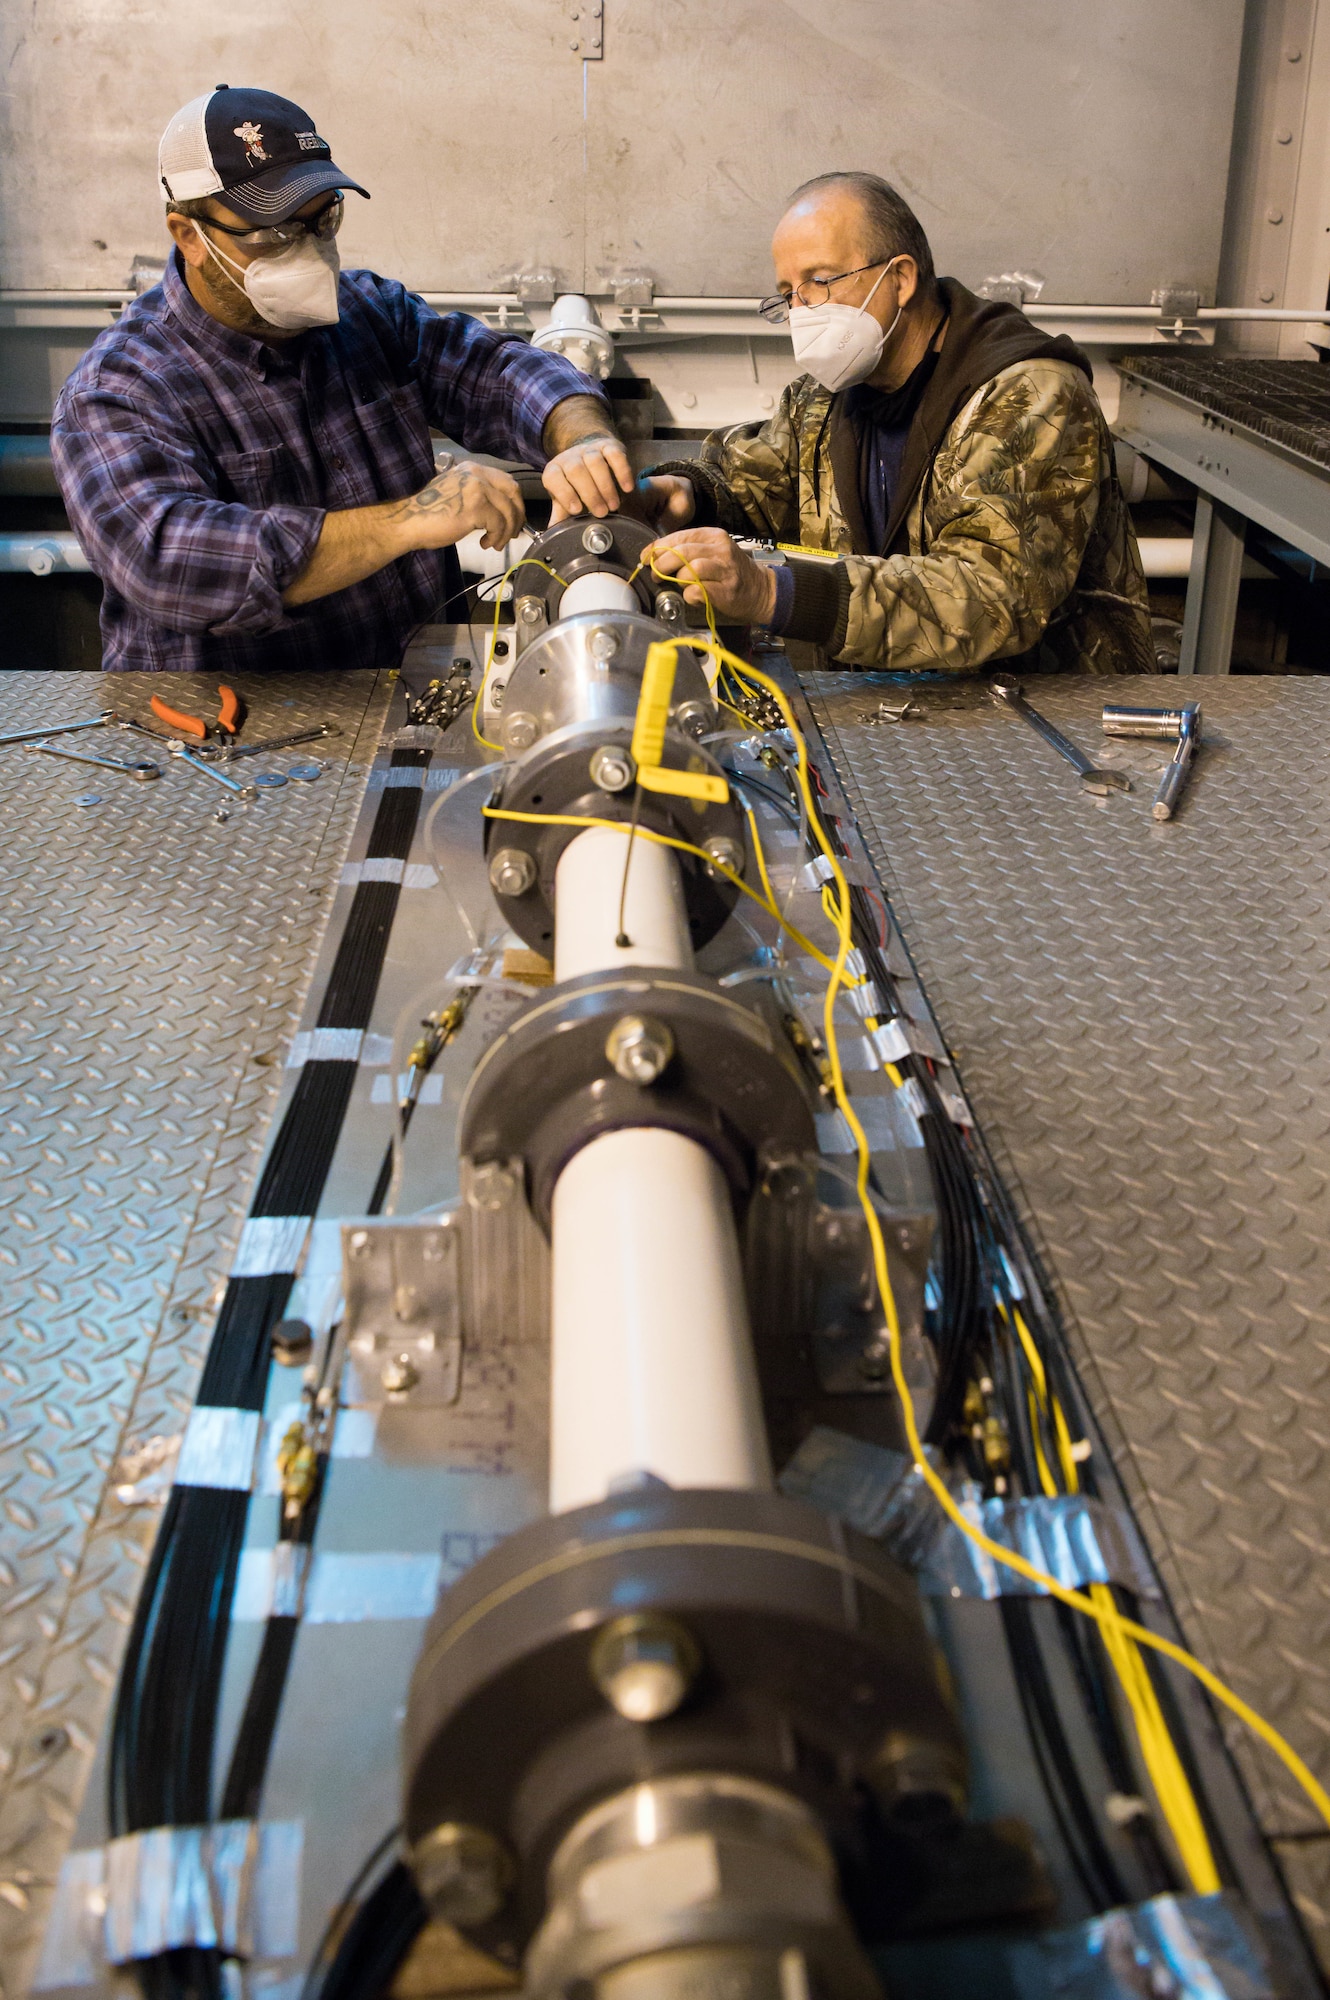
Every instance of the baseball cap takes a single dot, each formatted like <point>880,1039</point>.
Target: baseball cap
<point>258,151</point>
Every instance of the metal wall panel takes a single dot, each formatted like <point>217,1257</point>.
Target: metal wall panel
<point>1085,142</point>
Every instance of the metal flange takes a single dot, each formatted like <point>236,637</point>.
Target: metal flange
<point>548,1085</point>
<point>560,776</point>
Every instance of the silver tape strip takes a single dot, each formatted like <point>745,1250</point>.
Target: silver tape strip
<point>235,1885</point>
<point>219,1448</point>
<point>891,1041</point>
<point>1190,1947</point>
<point>383,868</point>
<point>1070,1537</point>
<point>403,778</point>
<point>270,1245</point>
<point>342,1587</point>
<point>873,1113</point>
<point>912,1097</point>
<point>290,1573</point>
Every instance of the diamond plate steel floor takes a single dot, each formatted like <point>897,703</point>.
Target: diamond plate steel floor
<point>152,965</point>
<point>1141,1013</point>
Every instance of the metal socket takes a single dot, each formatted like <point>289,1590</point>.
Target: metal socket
<point>644,1665</point>
<point>512,872</point>
<point>640,1048</point>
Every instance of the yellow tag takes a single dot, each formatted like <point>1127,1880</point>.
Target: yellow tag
<point>653,704</point>
<point>653,713</point>
<point>683,784</point>
<point>813,555</point>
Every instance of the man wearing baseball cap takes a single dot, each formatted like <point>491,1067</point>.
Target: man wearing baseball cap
<point>246,455</point>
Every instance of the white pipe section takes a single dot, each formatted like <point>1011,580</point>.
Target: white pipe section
<point>598,590</point>
<point>588,886</point>
<point>651,1358</point>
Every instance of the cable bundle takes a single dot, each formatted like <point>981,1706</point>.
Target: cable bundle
<point>163,1733</point>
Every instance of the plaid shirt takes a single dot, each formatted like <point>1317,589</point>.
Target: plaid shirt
<point>197,465</point>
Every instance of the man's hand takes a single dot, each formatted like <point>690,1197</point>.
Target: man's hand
<point>591,475</point>
<point>666,500</point>
<point>462,498</point>
<point>741,590</point>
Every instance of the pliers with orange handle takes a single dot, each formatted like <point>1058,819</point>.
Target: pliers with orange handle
<point>230,718</point>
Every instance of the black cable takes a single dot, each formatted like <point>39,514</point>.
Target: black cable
<point>1095,1867</point>
<point>373,1945</point>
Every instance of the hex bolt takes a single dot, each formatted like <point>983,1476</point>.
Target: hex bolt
<point>670,607</point>
<point>726,853</point>
<point>644,1665</point>
<point>520,730</point>
<point>530,611</point>
<point>611,769</point>
<point>463,1873</point>
<point>639,1047</point>
<point>693,718</point>
<point>598,540</point>
<point>512,872</point>
<point>603,643</point>
<point>399,1375</point>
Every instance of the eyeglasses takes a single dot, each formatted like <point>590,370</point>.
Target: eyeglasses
<point>815,292</point>
<point>324,225</point>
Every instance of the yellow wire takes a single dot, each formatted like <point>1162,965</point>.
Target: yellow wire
<point>1105,1614</point>
<point>532,562</point>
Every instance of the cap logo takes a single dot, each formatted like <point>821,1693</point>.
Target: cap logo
<point>310,142</point>
<point>250,136</point>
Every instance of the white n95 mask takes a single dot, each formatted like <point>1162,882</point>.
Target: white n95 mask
<point>296,289</point>
<point>839,345</point>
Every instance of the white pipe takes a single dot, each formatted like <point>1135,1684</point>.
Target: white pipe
<point>651,1358</point>
<point>588,886</point>
<point>598,590</point>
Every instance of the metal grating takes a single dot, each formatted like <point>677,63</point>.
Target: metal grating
<point>152,962</point>
<point>1285,401</point>
<point>1139,1013</point>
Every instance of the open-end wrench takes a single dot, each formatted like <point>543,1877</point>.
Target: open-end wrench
<point>140,768</point>
<point>1011,695</point>
<point>58,729</point>
<point>211,771</point>
<point>234,750</point>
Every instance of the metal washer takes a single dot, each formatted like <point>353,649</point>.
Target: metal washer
<point>271,778</point>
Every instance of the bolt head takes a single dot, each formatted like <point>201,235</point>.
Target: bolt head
<point>603,643</point>
<point>530,611</point>
<point>726,853</point>
<point>292,1341</point>
<point>598,540</point>
<point>694,718</point>
<point>399,1375</point>
<point>520,730</point>
<point>644,1665</point>
<point>612,769</point>
<point>670,608</point>
<point>463,1872</point>
<point>639,1048</point>
<point>512,872</point>
<point>875,1360</point>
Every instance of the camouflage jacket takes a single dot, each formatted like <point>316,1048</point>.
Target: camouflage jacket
<point>1011,542</point>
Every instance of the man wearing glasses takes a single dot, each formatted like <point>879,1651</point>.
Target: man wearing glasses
<point>950,457</point>
<point>246,455</point>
